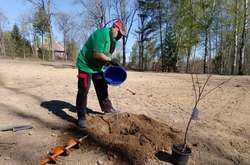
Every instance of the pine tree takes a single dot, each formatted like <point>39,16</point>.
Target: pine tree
<point>17,41</point>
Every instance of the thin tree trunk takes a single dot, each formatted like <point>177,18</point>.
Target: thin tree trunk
<point>230,51</point>
<point>210,53</point>
<point>161,45</point>
<point>188,59</point>
<point>64,46</point>
<point>33,50</point>
<point>34,47</point>
<point>190,43</point>
<point>128,32</point>
<point>216,39</point>
<point>3,48</point>
<point>244,57</point>
<point>193,69</point>
<point>234,57</point>
<point>206,52</point>
<point>2,44</point>
<point>123,51</point>
<point>243,35</point>
<point>51,44</point>
<point>24,53</point>
<point>50,32</point>
<point>139,50</point>
<point>43,46</point>
<point>139,55</point>
<point>12,49</point>
<point>146,62</point>
<point>141,42</point>
<point>142,52</point>
<point>221,47</point>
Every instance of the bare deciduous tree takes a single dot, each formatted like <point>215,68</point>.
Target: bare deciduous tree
<point>3,20</point>
<point>26,30</point>
<point>243,39</point>
<point>65,25</point>
<point>234,56</point>
<point>125,13</point>
<point>94,13</point>
<point>46,6</point>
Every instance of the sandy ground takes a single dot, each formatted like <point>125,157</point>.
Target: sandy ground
<point>43,95</point>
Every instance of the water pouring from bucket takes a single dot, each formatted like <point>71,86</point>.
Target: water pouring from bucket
<point>115,75</point>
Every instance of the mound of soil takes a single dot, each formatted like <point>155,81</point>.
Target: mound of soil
<point>137,137</point>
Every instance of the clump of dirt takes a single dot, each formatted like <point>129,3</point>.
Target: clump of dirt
<point>137,137</point>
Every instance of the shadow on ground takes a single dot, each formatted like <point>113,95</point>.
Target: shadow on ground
<point>59,108</point>
<point>60,66</point>
<point>164,156</point>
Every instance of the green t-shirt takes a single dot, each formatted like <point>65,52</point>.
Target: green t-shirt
<point>100,41</point>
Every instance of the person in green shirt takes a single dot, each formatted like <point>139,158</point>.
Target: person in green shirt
<point>96,52</point>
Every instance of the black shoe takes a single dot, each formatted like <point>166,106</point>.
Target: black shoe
<point>81,122</point>
<point>111,110</point>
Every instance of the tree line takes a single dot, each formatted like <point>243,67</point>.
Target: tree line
<point>173,35</point>
<point>33,37</point>
<point>170,35</point>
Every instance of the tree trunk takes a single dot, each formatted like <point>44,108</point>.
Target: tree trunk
<point>243,35</point>
<point>24,53</point>
<point>216,39</point>
<point>2,44</point>
<point>146,62</point>
<point>221,47</point>
<point>141,42</point>
<point>3,51</point>
<point>139,55</point>
<point>194,57</point>
<point>210,53</point>
<point>123,51</point>
<point>64,46</point>
<point>142,52</point>
<point>188,59</point>
<point>12,49</point>
<point>161,45</point>
<point>244,57</point>
<point>50,32</point>
<point>34,47</point>
<point>42,46</point>
<point>206,52</point>
<point>51,51</point>
<point>234,57</point>
<point>230,51</point>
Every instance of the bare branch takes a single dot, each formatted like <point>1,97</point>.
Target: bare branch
<point>116,9</point>
<point>215,88</point>
<point>194,88</point>
<point>198,83</point>
<point>37,3</point>
<point>95,10</point>
<point>205,84</point>
<point>130,26</point>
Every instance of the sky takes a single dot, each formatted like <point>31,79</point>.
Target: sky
<point>14,9</point>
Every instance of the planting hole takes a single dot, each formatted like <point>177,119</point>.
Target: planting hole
<point>164,156</point>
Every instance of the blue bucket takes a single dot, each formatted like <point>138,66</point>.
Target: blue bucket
<point>115,75</point>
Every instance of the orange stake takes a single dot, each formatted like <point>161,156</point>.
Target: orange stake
<point>59,150</point>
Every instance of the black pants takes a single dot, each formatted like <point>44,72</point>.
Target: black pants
<point>101,88</point>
